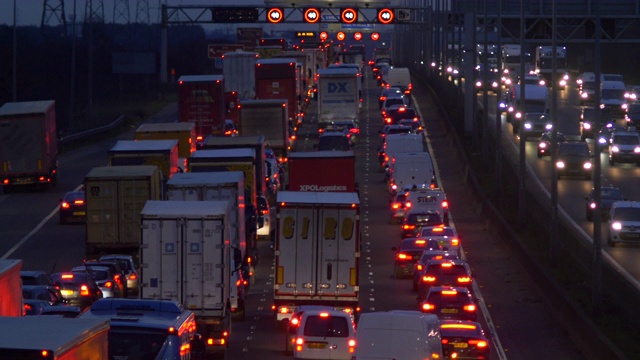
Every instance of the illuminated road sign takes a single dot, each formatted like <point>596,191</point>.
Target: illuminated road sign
<point>275,15</point>
<point>357,36</point>
<point>312,15</point>
<point>375,36</point>
<point>349,16</point>
<point>341,36</point>
<point>385,16</point>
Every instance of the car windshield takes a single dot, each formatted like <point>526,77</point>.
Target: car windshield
<point>613,194</point>
<point>613,94</point>
<point>122,263</point>
<point>333,143</point>
<point>394,101</point>
<point>573,150</point>
<point>627,214</point>
<point>626,140</point>
<point>326,326</point>
<point>136,344</point>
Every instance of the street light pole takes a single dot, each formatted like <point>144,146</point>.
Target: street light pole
<point>14,92</point>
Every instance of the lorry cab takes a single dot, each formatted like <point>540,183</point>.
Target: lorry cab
<point>146,327</point>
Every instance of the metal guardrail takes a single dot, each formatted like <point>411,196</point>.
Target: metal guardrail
<point>81,136</point>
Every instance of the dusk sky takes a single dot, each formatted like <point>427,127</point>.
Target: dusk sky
<point>29,12</point>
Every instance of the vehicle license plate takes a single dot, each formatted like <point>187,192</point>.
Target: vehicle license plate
<point>449,311</point>
<point>79,213</point>
<point>460,345</point>
<point>66,292</point>
<point>316,345</point>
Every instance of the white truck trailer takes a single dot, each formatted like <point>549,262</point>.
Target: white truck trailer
<point>185,256</point>
<point>317,251</point>
<point>338,94</point>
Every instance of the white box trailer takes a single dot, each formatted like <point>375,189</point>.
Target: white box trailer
<point>317,251</point>
<point>216,186</point>
<point>185,256</point>
<point>338,94</point>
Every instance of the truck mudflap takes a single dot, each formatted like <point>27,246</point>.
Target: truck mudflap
<point>215,332</point>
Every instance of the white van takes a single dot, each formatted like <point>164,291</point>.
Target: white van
<point>612,97</point>
<point>398,143</point>
<point>401,78</point>
<point>425,198</point>
<point>411,168</point>
<point>398,334</point>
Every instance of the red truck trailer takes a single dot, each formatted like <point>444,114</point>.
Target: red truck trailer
<point>276,78</point>
<point>320,171</point>
<point>202,102</point>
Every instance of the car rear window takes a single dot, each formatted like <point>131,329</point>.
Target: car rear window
<point>575,150</point>
<point>419,219</point>
<point>438,269</point>
<point>333,143</point>
<point>329,326</point>
<point>459,299</point>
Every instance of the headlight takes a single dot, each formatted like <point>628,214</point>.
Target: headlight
<point>518,115</point>
<point>563,82</point>
<point>560,165</point>
<point>587,166</point>
<point>527,126</point>
<point>565,77</point>
<point>502,105</point>
<point>542,82</point>
<point>584,95</point>
<point>548,126</point>
<point>494,84</point>
<point>510,109</point>
<point>602,141</point>
<point>586,126</point>
<point>592,205</point>
<point>542,145</point>
<point>478,83</point>
<point>616,226</point>
<point>636,149</point>
<point>615,148</point>
<point>624,106</point>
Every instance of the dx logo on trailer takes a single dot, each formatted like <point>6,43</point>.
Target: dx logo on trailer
<point>340,87</point>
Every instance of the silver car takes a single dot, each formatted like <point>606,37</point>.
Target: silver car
<point>127,263</point>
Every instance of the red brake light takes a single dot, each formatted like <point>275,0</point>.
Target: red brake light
<point>408,227</point>
<point>446,264</point>
<point>478,343</point>
<point>445,204</point>
<point>295,321</point>
<point>428,278</point>
<point>64,205</point>
<point>455,242</point>
<point>469,308</point>
<point>402,109</point>
<point>395,206</point>
<point>388,120</point>
<point>108,284</point>
<point>464,279</point>
<point>383,98</point>
<point>354,131</point>
<point>428,307</point>
<point>78,202</point>
<point>419,267</point>
<point>402,256</point>
<point>67,276</point>
<point>133,276</point>
<point>84,290</point>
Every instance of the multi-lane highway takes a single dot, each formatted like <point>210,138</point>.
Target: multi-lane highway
<point>515,314</point>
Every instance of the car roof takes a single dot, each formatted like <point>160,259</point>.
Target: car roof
<point>32,272</point>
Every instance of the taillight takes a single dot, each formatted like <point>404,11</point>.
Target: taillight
<point>395,206</point>
<point>133,276</point>
<point>387,120</point>
<point>64,205</point>
<point>265,212</point>
<point>428,307</point>
<point>455,242</point>
<point>84,290</point>
<point>294,321</point>
<point>354,131</point>
<point>445,204</point>
<point>108,284</point>
<point>419,267</point>
<point>478,343</point>
<point>464,279</point>
<point>428,279</point>
<point>408,227</point>
<point>402,256</point>
<point>469,308</point>
<point>352,346</point>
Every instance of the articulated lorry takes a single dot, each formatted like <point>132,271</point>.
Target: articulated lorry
<point>338,94</point>
<point>220,186</point>
<point>185,256</point>
<point>269,118</point>
<point>28,145</point>
<point>115,195</point>
<point>201,101</point>
<point>185,133</point>
<point>317,251</point>
<point>277,78</point>
<point>544,65</point>
<point>53,338</point>
<point>238,69</point>
<point>162,153</point>
<point>535,101</point>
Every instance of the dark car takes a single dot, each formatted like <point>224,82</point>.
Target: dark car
<point>395,113</point>
<point>606,133</point>
<point>427,255</point>
<point>535,124</point>
<point>590,119</point>
<point>408,253</point>
<point>394,129</point>
<point>78,289</point>
<point>462,339</point>
<point>333,141</point>
<point>414,123</point>
<point>348,127</point>
<point>104,277</point>
<point>492,83</point>
<point>544,144</point>
<point>574,159</point>
<point>414,221</point>
<point>73,208</point>
<point>443,273</point>
<point>450,302</point>
<point>117,273</point>
<point>608,195</point>
<point>42,292</point>
<point>35,277</point>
